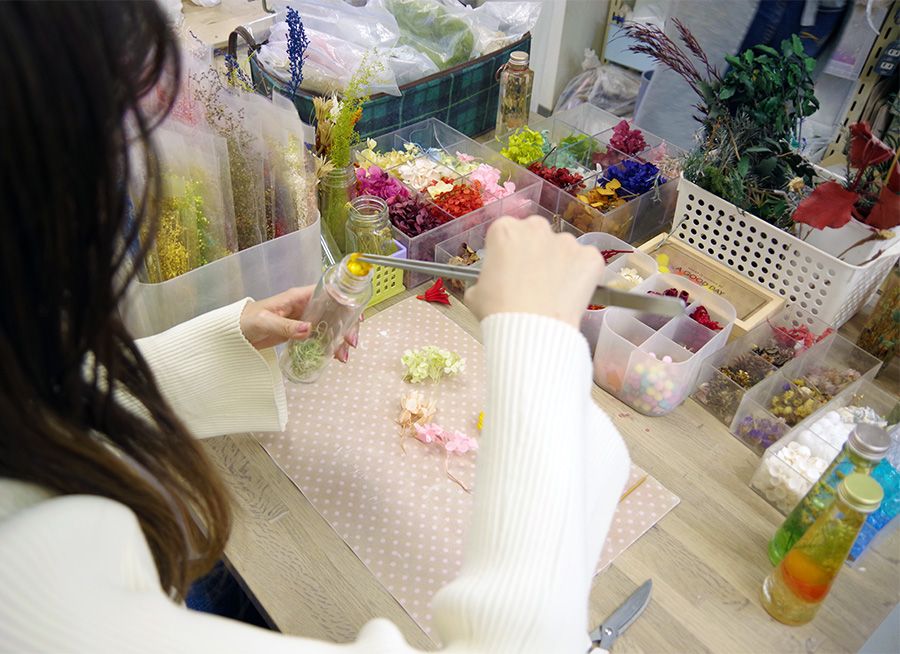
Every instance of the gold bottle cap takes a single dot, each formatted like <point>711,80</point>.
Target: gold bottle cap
<point>861,492</point>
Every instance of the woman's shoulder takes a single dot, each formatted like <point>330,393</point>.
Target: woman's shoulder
<point>54,537</point>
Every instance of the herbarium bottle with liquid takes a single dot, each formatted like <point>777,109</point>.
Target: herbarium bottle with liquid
<point>795,590</point>
<point>334,309</point>
<point>866,446</point>
<point>368,228</point>
<point>516,81</point>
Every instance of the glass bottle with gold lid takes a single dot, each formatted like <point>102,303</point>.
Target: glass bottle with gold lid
<point>340,297</point>
<point>795,590</point>
<point>866,446</point>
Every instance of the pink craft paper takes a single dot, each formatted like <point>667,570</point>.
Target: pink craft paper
<point>398,511</point>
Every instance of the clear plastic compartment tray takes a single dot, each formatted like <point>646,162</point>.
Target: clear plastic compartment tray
<point>651,362</point>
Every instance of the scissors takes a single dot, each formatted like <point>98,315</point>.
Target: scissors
<point>603,296</point>
<point>623,617</point>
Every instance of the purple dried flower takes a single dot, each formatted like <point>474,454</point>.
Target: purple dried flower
<point>297,44</point>
<point>374,181</point>
<point>411,216</point>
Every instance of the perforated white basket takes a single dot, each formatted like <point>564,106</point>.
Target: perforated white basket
<point>821,284</point>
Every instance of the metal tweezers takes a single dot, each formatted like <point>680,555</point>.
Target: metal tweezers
<point>603,296</point>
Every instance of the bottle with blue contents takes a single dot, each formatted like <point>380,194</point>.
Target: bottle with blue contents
<point>886,473</point>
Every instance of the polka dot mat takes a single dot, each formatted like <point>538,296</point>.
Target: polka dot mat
<point>398,510</point>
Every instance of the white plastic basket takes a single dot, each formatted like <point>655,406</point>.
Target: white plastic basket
<point>294,259</point>
<point>830,289</point>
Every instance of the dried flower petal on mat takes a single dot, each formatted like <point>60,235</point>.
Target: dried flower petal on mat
<point>437,293</point>
<point>415,409</point>
<point>431,363</point>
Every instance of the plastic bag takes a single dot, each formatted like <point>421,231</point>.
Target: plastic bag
<point>607,86</point>
<point>289,175</point>
<point>497,24</point>
<point>330,62</point>
<point>196,223</point>
<point>409,65</point>
<point>442,33</point>
<point>226,116</point>
<point>366,26</point>
<point>206,3</point>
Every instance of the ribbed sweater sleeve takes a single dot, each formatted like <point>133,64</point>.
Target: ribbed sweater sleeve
<point>76,573</point>
<point>217,382</point>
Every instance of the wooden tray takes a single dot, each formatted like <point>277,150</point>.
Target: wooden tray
<point>753,303</point>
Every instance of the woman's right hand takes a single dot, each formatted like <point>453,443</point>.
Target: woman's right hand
<point>529,269</point>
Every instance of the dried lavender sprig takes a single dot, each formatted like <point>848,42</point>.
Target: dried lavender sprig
<point>297,44</point>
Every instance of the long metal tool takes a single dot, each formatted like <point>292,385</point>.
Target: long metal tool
<point>603,296</point>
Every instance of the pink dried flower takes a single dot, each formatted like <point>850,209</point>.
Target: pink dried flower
<point>627,140</point>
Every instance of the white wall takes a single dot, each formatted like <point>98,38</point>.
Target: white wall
<point>564,30</point>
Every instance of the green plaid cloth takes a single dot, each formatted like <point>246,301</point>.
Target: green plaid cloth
<point>464,97</point>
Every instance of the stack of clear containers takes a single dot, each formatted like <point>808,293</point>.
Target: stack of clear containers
<point>791,466</point>
<point>434,141</point>
<point>776,375</point>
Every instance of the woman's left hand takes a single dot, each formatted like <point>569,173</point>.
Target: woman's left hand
<point>275,320</point>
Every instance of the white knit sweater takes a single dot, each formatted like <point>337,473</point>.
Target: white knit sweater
<point>76,573</point>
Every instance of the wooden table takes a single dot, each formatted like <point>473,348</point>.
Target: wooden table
<point>707,558</point>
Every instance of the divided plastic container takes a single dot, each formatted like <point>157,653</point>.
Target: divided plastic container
<point>791,466</point>
<point>651,362</point>
<point>474,238</point>
<point>431,138</point>
<point>777,364</point>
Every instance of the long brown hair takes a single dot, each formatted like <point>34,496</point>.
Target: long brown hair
<point>75,76</point>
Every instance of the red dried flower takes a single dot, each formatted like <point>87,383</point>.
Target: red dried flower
<point>609,254</point>
<point>560,177</point>
<point>595,307</point>
<point>829,205</point>
<point>437,293</point>
<point>701,315</point>
<point>865,148</point>
<point>684,296</point>
<point>461,199</point>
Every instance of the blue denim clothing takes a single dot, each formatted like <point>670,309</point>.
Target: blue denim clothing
<point>776,20</point>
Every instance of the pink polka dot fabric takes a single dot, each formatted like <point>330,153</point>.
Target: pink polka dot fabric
<point>392,503</point>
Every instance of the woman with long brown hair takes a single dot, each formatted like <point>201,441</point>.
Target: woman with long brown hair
<point>109,508</point>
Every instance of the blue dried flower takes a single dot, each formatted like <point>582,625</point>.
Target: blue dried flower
<point>634,176</point>
<point>297,44</point>
<point>235,76</point>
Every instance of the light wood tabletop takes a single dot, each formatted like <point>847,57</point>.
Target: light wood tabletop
<point>707,558</point>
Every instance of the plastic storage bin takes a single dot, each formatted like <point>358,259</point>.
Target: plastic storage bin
<point>431,139</point>
<point>651,362</point>
<point>294,259</point>
<point>784,476</point>
<point>830,289</point>
<point>632,258</point>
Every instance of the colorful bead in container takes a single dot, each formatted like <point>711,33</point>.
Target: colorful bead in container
<point>649,387</point>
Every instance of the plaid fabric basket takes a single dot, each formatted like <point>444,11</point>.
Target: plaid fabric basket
<point>464,97</point>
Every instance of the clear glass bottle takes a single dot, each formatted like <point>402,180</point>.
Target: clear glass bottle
<point>368,228</point>
<point>516,81</point>
<point>335,307</point>
<point>866,446</point>
<point>795,590</point>
<point>336,190</point>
